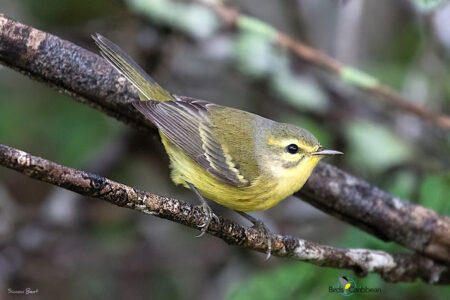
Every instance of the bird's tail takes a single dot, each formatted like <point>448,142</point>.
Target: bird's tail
<point>148,88</point>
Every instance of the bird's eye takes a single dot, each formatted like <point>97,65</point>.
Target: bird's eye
<point>292,148</point>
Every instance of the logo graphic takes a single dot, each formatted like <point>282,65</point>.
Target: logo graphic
<point>347,284</point>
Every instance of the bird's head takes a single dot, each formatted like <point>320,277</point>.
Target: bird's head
<point>291,151</point>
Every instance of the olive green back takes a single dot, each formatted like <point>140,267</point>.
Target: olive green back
<point>236,130</point>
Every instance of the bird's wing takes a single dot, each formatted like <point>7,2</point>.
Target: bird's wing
<point>185,122</point>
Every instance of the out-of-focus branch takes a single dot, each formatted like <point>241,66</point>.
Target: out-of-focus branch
<point>392,267</point>
<point>92,80</point>
<point>316,57</point>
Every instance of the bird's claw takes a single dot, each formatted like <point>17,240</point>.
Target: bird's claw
<point>216,218</point>
<point>267,236</point>
<point>259,226</point>
<point>209,215</point>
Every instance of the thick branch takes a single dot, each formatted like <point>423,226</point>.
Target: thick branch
<point>397,267</point>
<point>90,79</point>
<point>348,74</point>
<point>375,211</point>
<point>67,67</point>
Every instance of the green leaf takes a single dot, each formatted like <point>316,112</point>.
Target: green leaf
<point>401,185</point>
<point>256,26</point>
<point>426,6</point>
<point>300,92</point>
<point>375,146</point>
<point>392,73</point>
<point>435,193</point>
<point>358,78</point>
<point>256,56</point>
<point>194,19</point>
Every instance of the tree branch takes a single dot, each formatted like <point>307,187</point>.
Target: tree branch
<point>377,212</point>
<point>91,80</point>
<point>393,268</point>
<point>69,68</point>
<point>316,57</point>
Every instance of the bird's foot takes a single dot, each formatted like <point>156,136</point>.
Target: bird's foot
<point>267,236</point>
<point>261,228</point>
<point>208,216</point>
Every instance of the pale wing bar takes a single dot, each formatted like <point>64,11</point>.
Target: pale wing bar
<point>186,124</point>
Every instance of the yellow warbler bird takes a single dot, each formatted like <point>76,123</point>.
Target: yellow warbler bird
<point>235,158</point>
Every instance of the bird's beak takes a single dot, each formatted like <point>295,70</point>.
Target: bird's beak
<point>323,151</point>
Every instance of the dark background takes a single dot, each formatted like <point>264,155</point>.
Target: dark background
<point>71,247</point>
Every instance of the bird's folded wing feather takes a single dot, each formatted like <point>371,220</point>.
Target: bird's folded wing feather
<point>185,122</point>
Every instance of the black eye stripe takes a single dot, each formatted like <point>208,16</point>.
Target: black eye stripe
<point>292,149</point>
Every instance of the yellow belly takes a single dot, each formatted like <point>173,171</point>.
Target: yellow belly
<point>263,193</point>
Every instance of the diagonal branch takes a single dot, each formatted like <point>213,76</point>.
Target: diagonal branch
<point>316,57</point>
<point>91,80</point>
<point>392,267</point>
<point>68,68</point>
<point>377,212</point>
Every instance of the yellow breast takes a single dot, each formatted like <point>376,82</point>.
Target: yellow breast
<point>264,192</point>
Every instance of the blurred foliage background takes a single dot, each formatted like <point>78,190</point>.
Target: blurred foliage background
<point>70,247</point>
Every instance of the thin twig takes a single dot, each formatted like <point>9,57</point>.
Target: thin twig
<point>392,267</point>
<point>348,74</point>
<point>92,80</point>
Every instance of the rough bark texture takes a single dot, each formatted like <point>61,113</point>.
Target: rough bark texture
<point>69,68</point>
<point>393,268</point>
<point>377,212</point>
<point>90,79</point>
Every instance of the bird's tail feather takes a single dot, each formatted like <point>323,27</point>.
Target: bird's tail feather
<point>148,88</point>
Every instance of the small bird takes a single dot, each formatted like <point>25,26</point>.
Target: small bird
<point>236,158</point>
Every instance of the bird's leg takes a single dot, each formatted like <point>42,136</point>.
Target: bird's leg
<point>209,215</point>
<point>260,226</point>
